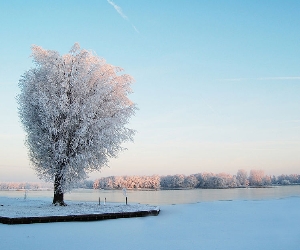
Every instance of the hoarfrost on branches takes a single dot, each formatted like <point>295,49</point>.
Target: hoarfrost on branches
<point>74,109</point>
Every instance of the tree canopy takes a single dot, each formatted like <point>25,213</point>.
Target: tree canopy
<point>74,109</point>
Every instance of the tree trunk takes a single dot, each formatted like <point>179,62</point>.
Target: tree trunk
<point>58,198</point>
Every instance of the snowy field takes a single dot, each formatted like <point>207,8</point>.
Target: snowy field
<point>264,224</point>
<point>18,207</point>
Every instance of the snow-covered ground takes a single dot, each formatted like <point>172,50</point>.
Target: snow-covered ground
<point>241,224</point>
<point>18,207</point>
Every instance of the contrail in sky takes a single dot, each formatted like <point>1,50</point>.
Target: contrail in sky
<point>119,10</point>
<point>279,78</point>
<point>262,78</point>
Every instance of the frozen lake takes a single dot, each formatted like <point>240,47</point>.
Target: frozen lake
<point>168,197</point>
<point>265,218</point>
<point>271,224</point>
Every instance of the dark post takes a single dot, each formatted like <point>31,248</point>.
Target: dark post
<point>126,200</point>
<point>99,201</point>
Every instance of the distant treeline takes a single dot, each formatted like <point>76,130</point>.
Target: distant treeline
<point>256,178</point>
<point>25,185</point>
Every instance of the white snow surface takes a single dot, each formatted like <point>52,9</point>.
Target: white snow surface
<point>18,207</point>
<point>239,224</point>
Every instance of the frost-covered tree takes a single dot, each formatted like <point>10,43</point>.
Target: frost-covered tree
<point>228,180</point>
<point>256,177</point>
<point>242,178</point>
<point>190,181</point>
<point>74,109</point>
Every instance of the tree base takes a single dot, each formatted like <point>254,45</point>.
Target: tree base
<point>60,204</point>
<point>58,199</point>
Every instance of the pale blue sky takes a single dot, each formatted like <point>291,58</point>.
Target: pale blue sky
<point>217,82</point>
